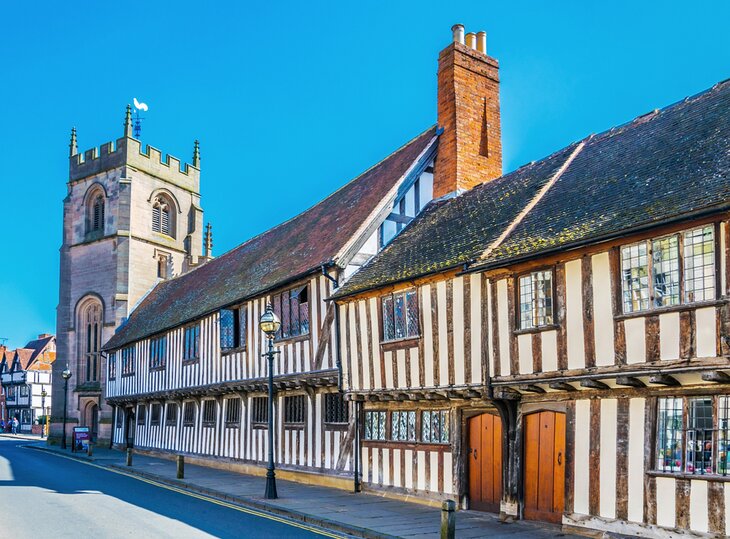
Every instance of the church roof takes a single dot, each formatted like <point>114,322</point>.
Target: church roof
<point>287,252</point>
<point>665,166</point>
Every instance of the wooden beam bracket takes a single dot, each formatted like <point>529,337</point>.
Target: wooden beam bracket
<point>629,381</point>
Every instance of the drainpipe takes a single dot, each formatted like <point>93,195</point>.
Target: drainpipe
<point>356,442</point>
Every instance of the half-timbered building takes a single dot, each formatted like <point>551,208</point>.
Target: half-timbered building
<point>185,372</point>
<point>554,344</point>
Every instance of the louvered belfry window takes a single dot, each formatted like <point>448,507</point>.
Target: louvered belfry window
<point>161,219</point>
<point>98,214</point>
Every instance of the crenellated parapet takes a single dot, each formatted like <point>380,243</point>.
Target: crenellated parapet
<point>128,151</point>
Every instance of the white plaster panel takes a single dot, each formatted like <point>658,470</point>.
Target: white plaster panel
<point>636,460</point>
<point>427,336</point>
<point>706,332</point>
<point>582,455</point>
<point>549,350</point>
<point>457,310</point>
<point>396,467</point>
<point>475,307</point>
<point>408,463</point>
<point>421,470</point>
<point>574,314</point>
<point>635,340</point>
<point>524,346</point>
<point>602,310</point>
<point>443,340</point>
<point>401,358</point>
<point>607,471</point>
<point>434,479</point>
<point>669,336</point>
<point>698,518</point>
<point>665,501</point>
<point>503,321</point>
<point>448,474</point>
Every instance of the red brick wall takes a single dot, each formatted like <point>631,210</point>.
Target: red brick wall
<point>470,147</point>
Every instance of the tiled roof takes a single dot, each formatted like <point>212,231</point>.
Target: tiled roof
<point>660,167</point>
<point>25,357</point>
<point>272,259</point>
<point>453,232</point>
<point>38,346</point>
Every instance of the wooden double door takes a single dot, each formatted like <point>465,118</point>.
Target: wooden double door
<point>484,458</point>
<point>544,466</point>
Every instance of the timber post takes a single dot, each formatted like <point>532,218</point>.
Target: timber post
<point>448,519</point>
<point>180,467</point>
<point>129,456</point>
<point>90,448</point>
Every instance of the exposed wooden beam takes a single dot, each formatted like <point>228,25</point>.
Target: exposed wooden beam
<point>561,386</point>
<point>664,379</point>
<point>593,384</point>
<point>507,393</point>
<point>472,394</point>
<point>532,388</point>
<point>716,376</point>
<point>629,381</point>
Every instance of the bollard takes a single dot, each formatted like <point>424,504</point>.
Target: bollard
<point>129,456</point>
<point>448,519</point>
<point>180,467</point>
<point>89,449</point>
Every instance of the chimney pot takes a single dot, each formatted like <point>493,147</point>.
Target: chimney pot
<point>458,31</point>
<point>471,40</point>
<point>482,42</point>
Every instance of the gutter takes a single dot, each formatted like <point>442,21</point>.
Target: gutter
<point>263,292</point>
<point>483,266</point>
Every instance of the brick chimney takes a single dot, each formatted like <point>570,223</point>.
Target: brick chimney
<point>470,146</point>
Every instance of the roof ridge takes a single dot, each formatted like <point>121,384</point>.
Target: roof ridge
<point>535,200</point>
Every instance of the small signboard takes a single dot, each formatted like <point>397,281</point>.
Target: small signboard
<point>80,439</point>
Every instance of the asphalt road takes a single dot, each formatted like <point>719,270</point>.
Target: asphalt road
<point>44,495</point>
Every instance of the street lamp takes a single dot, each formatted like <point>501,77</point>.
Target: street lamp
<point>66,375</point>
<point>44,394</point>
<point>270,324</point>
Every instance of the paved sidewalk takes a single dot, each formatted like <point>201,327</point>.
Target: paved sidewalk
<point>361,515</point>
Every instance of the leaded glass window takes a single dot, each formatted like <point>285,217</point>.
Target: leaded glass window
<point>292,308</point>
<point>128,360</point>
<point>536,299</point>
<point>233,412</point>
<point>669,435</point>
<point>259,410</point>
<point>294,409</point>
<point>335,408</point>
<point>660,258</point>
<point>635,277</point>
<point>209,407</point>
<point>112,366</point>
<point>141,414</point>
<point>191,342</point>
<point>665,271</point>
<point>435,426</point>
<point>375,425</point>
<point>403,426</point>
<point>171,414</point>
<point>400,315</point>
<point>158,352</point>
<point>189,414</point>
<point>155,414</point>
<point>699,264</point>
<point>693,434</point>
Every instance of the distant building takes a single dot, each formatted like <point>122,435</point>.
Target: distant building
<point>24,374</point>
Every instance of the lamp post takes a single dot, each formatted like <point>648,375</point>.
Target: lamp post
<point>66,374</point>
<point>44,394</point>
<point>270,324</point>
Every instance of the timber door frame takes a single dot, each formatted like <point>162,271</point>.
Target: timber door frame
<point>468,460</point>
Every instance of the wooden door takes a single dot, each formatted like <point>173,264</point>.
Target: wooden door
<point>545,466</point>
<point>484,459</point>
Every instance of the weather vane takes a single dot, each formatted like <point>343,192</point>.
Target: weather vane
<point>137,118</point>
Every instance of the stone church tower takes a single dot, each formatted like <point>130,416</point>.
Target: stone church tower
<point>130,219</point>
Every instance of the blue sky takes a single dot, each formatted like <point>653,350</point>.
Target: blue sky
<point>292,99</point>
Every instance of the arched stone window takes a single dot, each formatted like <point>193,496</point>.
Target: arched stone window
<point>163,216</point>
<point>89,325</point>
<point>95,206</point>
